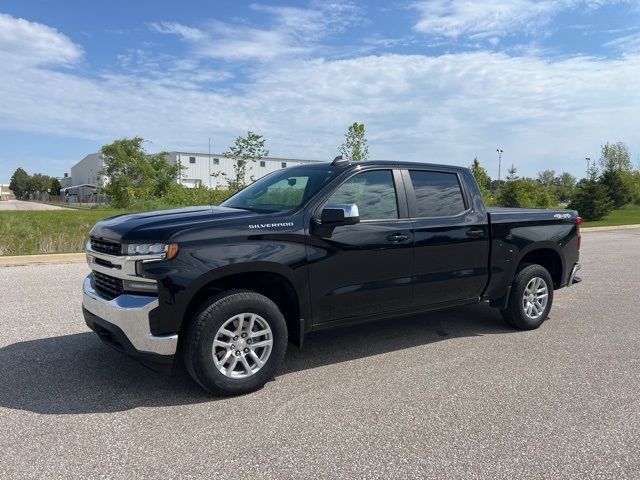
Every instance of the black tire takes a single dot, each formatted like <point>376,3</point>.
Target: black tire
<point>202,330</point>
<point>515,313</point>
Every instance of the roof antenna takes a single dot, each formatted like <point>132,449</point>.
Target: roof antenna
<point>338,161</point>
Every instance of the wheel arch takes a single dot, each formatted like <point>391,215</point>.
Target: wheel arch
<point>547,255</point>
<point>271,280</point>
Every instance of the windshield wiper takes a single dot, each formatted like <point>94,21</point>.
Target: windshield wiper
<point>256,210</point>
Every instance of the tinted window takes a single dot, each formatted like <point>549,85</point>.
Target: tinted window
<point>282,190</point>
<point>437,194</point>
<point>373,192</point>
<point>287,192</point>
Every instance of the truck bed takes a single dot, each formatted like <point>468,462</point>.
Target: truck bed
<point>506,215</point>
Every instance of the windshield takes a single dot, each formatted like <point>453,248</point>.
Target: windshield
<point>282,190</point>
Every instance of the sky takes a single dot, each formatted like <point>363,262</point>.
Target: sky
<point>441,81</point>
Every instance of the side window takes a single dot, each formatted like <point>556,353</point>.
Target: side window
<point>373,192</point>
<point>438,194</point>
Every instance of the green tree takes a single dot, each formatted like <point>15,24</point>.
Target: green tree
<point>635,182</point>
<point>617,169</point>
<point>547,178</point>
<point>164,174</point>
<point>355,146</point>
<point>615,157</point>
<point>591,200</point>
<point>249,148</point>
<point>130,174</point>
<point>38,183</point>
<point>483,180</point>
<point>517,193</point>
<point>18,184</point>
<point>565,187</point>
<point>523,192</point>
<point>54,186</point>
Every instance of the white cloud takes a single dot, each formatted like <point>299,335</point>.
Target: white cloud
<point>491,18</point>
<point>626,44</point>
<point>448,108</point>
<point>295,31</point>
<point>23,42</point>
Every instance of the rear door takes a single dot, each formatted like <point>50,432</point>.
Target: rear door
<point>451,239</point>
<point>365,268</point>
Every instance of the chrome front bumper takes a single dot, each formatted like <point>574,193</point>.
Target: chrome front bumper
<point>129,313</point>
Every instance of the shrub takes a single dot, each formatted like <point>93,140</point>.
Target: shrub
<point>180,196</point>
<point>592,200</point>
<point>524,193</point>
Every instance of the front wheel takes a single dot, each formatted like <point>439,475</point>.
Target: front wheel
<point>235,343</point>
<point>530,298</point>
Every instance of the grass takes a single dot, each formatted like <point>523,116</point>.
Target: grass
<point>628,215</point>
<point>59,231</point>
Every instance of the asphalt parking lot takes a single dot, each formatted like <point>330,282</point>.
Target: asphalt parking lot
<point>446,395</point>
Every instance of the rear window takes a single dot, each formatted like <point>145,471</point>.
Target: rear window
<point>438,194</point>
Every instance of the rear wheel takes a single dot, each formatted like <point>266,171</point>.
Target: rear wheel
<point>235,343</point>
<point>530,298</point>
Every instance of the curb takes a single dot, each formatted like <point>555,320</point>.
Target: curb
<point>48,259</point>
<point>604,229</point>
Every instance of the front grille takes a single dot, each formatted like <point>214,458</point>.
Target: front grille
<point>108,287</point>
<point>105,246</point>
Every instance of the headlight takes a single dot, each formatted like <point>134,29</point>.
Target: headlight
<point>146,248</point>
<point>170,250</point>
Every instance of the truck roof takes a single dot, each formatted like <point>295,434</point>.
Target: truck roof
<point>390,163</point>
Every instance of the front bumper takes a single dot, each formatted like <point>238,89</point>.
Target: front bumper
<point>123,323</point>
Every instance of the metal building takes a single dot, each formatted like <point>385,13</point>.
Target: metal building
<point>87,170</point>
<point>210,170</point>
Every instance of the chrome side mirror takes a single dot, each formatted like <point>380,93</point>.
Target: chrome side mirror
<point>336,214</point>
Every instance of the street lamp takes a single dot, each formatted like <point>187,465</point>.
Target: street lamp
<point>499,150</point>
<point>588,159</point>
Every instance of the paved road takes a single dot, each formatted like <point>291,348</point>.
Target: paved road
<point>446,395</point>
<point>13,205</point>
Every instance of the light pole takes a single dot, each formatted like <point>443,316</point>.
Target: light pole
<point>588,159</point>
<point>499,150</point>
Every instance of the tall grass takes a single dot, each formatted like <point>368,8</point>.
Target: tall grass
<point>33,232</point>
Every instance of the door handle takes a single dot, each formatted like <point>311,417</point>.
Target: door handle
<point>475,233</point>
<point>398,237</point>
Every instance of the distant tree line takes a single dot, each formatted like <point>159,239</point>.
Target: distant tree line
<point>611,182</point>
<point>131,177</point>
<point>22,184</point>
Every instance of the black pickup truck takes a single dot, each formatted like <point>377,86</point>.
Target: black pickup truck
<point>312,247</point>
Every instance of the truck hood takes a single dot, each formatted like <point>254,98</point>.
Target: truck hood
<point>160,225</point>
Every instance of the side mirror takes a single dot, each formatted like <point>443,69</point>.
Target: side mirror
<point>336,214</point>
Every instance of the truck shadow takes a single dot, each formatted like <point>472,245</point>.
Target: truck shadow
<point>76,374</point>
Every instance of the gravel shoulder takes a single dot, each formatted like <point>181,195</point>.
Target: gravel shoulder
<point>19,205</point>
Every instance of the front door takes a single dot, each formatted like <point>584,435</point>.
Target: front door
<point>366,268</point>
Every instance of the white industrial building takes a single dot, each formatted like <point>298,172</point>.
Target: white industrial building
<point>87,170</point>
<point>207,169</point>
